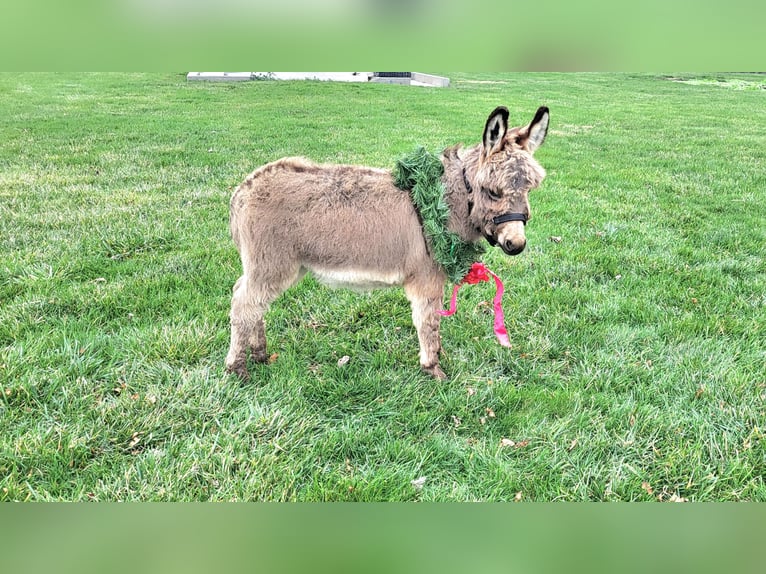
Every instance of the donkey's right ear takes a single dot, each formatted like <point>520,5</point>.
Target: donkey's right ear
<point>494,129</point>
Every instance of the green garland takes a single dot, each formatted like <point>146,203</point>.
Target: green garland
<point>420,173</point>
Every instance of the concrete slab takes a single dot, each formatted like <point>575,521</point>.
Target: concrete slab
<point>219,76</point>
<point>417,78</point>
<point>323,76</point>
<point>385,80</point>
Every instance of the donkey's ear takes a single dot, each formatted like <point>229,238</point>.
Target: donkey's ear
<point>495,128</point>
<point>533,135</point>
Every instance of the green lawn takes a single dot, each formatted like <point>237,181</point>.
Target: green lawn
<point>638,367</point>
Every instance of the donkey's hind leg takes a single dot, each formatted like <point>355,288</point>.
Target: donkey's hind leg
<point>425,296</point>
<point>249,303</point>
<point>244,325</point>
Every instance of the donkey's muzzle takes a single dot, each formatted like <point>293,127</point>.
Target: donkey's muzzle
<point>511,239</point>
<point>513,248</point>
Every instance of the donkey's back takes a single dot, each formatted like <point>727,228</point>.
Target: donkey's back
<point>338,221</point>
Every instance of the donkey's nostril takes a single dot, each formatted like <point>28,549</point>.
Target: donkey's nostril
<point>512,248</point>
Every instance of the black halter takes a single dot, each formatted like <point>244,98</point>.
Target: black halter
<point>509,217</point>
<point>505,217</point>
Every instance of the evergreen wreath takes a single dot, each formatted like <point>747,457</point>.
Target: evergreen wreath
<point>420,173</point>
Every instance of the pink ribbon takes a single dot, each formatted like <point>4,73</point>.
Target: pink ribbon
<point>478,273</point>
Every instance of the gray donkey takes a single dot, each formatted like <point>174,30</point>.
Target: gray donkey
<point>352,227</point>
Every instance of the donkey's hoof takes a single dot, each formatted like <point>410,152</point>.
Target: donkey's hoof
<point>435,371</point>
<point>239,370</point>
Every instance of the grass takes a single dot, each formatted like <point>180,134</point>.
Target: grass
<point>637,368</point>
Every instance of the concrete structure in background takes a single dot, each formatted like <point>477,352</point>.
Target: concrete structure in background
<point>406,78</point>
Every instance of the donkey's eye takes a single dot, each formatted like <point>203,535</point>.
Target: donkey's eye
<point>492,193</point>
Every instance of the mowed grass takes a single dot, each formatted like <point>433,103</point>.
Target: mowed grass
<point>636,314</point>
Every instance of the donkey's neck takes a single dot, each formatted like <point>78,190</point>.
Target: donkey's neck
<point>460,166</point>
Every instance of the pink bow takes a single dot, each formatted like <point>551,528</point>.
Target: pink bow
<point>478,273</point>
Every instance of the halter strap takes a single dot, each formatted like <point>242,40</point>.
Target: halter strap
<point>509,217</point>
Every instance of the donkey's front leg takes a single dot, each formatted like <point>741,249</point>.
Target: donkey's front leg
<point>425,295</point>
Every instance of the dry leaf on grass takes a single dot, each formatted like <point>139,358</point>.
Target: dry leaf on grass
<point>506,442</point>
<point>647,487</point>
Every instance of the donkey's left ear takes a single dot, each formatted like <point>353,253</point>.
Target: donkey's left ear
<point>534,134</point>
<point>495,128</point>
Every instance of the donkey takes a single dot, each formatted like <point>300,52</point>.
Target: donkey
<point>350,226</point>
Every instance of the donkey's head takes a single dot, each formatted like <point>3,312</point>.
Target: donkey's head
<point>505,173</point>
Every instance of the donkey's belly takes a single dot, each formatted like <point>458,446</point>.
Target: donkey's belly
<point>357,279</point>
